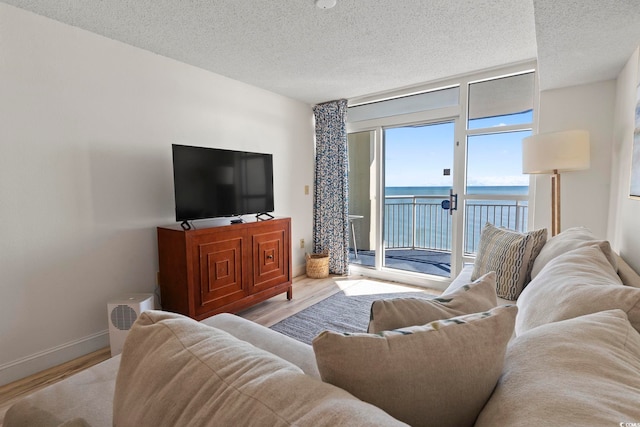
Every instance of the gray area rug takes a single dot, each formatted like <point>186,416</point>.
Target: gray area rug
<point>338,313</point>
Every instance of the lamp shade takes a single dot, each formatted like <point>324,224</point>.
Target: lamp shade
<point>557,151</point>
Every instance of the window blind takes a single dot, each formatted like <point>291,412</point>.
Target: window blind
<point>405,105</point>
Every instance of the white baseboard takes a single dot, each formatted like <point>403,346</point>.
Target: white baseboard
<point>34,363</point>
<point>299,270</point>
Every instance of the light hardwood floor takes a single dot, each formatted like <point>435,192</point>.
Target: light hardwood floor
<point>306,292</point>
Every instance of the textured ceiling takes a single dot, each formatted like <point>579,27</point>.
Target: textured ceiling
<point>583,41</point>
<point>362,47</point>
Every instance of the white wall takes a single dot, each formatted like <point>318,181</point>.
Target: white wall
<point>624,214</point>
<point>86,175</point>
<point>585,194</point>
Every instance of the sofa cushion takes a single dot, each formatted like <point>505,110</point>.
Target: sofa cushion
<point>568,240</point>
<point>583,371</point>
<point>438,374</point>
<point>627,274</point>
<point>87,394</point>
<point>75,422</point>
<point>464,278</point>
<point>25,414</point>
<point>510,254</point>
<point>395,313</point>
<point>178,372</point>
<point>296,352</point>
<point>579,282</point>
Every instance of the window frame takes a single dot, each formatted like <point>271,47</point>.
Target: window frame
<point>458,113</point>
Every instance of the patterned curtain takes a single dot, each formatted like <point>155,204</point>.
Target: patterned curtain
<point>330,201</point>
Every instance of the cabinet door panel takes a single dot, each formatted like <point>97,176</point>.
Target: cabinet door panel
<point>219,273</point>
<point>270,262</point>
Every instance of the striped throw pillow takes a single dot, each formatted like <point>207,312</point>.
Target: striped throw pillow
<point>510,254</point>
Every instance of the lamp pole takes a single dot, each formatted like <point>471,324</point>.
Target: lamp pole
<point>555,203</point>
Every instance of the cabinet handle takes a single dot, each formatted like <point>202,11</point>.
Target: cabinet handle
<point>269,256</point>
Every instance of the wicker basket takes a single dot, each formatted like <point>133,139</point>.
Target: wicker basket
<point>318,265</point>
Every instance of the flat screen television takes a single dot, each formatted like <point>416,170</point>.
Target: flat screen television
<point>212,182</point>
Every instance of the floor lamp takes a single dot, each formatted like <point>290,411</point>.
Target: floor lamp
<point>552,153</point>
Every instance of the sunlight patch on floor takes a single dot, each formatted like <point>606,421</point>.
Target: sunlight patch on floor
<point>363,286</point>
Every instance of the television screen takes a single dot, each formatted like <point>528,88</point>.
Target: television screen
<point>212,182</point>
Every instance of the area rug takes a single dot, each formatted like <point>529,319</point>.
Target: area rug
<point>339,313</point>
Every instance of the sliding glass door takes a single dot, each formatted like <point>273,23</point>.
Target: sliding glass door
<point>418,183</point>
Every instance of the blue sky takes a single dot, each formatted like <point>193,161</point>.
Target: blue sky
<point>416,156</point>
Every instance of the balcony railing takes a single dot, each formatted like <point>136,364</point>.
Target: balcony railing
<point>419,222</point>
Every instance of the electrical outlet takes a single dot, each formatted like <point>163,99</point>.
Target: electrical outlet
<point>301,243</point>
<point>306,190</point>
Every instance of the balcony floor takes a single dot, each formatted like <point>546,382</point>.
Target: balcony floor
<point>416,260</point>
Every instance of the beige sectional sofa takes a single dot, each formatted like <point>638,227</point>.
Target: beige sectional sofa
<point>566,352</point>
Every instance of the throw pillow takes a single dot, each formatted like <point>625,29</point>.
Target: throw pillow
<point>395,313</point>
<point>568,240</point>
<point>583,372</point>
<point>538,241</point>
<point>510,254</point>
<point>439,374</point>
<point>579,282</point>
<point>175,371</point>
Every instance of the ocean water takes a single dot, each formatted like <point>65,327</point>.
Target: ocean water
<point>419,221</point>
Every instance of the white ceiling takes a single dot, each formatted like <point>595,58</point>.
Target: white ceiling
<point>583,41</point>
<point>361,47</point>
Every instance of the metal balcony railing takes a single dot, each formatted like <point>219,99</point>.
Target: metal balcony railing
<point>419,222</point>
